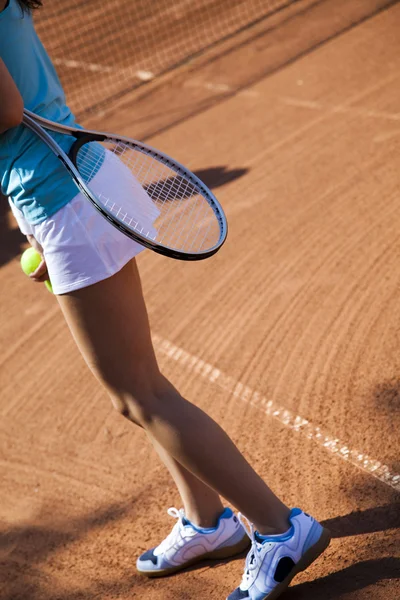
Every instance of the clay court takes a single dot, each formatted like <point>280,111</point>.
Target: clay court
<point>289,337</point>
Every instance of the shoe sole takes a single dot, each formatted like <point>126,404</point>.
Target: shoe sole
<point>225,552</point>
<point>306,560</point>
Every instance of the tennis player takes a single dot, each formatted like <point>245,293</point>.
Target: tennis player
<point>95,278</point>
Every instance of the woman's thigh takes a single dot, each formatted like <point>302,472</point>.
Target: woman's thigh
<point>110,325</point>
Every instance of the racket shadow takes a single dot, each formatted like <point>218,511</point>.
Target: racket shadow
<point>173,188</point>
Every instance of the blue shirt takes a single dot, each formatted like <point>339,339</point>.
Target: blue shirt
<point>30,174</point>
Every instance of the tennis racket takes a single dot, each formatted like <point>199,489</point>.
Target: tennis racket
<point>154,200</point>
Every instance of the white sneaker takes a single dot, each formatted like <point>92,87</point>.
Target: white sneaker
<point>188,544</point>
<point>274,560</point>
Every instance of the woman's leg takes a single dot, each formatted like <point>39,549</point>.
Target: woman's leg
<point>110,325</point>
<point>202,505</point>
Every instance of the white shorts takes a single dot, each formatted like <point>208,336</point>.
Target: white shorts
<point>79,245</point>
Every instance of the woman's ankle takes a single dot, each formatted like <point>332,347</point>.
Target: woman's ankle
<point>205,519</point>
<point>278,526</point>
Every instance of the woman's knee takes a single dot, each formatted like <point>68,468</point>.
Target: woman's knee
<point>140,406</point>
<point>141,396</point>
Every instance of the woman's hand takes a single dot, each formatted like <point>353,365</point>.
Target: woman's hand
<point>41,274</point>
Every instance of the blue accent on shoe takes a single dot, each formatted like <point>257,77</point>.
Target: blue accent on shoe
<point>225,515</point>
<point>281,537</point>
<point>283,568</point>
<point>149,555</point>
<point>313,536</point>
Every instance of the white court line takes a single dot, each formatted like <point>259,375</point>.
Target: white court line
<point>286,417</point>
<point>220,88</point>
<point>224,88</point>
<point>98,68</point>
<point>340,108</point>
<point>76,64</point>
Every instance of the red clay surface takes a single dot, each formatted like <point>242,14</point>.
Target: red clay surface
<point>301,305</point>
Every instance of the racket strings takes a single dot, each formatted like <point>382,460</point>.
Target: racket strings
<point>150,197</point>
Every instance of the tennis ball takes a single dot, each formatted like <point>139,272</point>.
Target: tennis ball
<point>49,286</point>
<point>30,260</point>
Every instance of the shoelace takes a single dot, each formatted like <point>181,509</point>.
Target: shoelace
<point>171,538</point>
<point>253,560</point>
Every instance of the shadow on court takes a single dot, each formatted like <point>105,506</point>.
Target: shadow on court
<point>375,519</point>
<point>178,188</point>
<point>216,177</point>
<point>24,550</point>
<point>11,240</point>
<point>351,579</point>
<point>387,399</point>
<point>359,575</point>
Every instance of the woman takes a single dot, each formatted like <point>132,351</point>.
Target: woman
<point>96,281</point>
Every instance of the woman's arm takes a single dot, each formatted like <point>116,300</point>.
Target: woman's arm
<point>11,112</point>
<point>11,103</point>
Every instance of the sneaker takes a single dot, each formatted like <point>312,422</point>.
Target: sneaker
<point>188,544</point>
<point>274,560</point>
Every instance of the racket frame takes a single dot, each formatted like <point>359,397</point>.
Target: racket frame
<point>39,124</point>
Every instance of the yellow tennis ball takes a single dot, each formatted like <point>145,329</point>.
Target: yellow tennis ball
<point>30,260</point>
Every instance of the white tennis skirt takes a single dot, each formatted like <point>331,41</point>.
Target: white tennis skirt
<point>79,245</point>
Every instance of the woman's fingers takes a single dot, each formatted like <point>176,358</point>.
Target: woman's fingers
<point>35,244</point>
<point>40,274</point>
